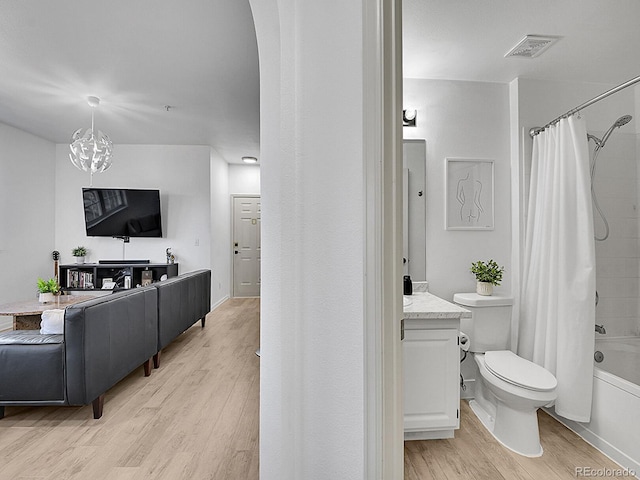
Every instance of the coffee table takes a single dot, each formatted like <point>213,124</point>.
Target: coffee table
<point>27,313</point>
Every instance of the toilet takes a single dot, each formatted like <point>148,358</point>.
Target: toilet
<point>510,389</point>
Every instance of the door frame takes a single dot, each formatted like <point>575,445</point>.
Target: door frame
<point>232,234</point>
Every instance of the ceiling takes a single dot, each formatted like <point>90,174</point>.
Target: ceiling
<point>467,39</point>
<point>200,58</point>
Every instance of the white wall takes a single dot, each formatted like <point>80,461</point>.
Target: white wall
<point>182,175</point>
<point>469,120</point>
<point>27,165</point>
<point>312,402</point>
<point>41,193</point>
<point>220,229</point>
<point>616,183</point>
<point>244,179</point>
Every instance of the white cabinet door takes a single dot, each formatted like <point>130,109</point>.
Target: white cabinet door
<point>431,380</point>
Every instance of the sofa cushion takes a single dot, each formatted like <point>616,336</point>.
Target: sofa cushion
<point>29,337</point>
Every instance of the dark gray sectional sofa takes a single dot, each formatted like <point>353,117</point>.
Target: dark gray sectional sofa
<point>104,340</point>
<point>182,301</point>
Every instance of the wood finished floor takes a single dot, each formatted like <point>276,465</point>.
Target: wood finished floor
<point>475,455</point>
<point>196,418</point>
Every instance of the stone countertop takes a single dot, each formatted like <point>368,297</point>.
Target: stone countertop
<point>33,307</point>
<point>425,305</point>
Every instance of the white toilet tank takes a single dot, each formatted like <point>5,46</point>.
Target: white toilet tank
<point>489,327</point>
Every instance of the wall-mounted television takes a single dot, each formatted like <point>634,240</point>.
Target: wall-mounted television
<point>122,212</point>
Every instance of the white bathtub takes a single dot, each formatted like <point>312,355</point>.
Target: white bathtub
<point>614,427</point>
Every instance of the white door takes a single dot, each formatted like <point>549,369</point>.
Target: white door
<point>246,246</point>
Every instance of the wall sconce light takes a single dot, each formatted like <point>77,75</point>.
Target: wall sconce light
<point>409,117</point>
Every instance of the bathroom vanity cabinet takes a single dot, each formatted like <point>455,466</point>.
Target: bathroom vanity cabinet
<point>431,363</point>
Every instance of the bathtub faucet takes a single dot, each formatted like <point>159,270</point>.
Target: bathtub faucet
<point>600,329</point>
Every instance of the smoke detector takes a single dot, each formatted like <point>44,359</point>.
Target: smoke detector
<point>531,46</point>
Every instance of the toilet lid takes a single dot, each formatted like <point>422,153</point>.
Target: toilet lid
<point>516,370</point>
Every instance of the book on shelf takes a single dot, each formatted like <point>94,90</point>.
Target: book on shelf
<point>79,279</point>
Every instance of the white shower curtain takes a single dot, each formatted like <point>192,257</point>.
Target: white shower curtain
<point>557,317</point>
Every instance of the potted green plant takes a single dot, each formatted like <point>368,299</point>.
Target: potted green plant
<point>79,253</point>
<point>487,275</point>
<point>47,289</point>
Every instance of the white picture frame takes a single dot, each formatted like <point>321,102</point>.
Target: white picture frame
<point>469,194</point>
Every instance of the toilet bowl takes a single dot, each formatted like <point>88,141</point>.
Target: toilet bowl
<point>506,403</point>
<point>510,389</point>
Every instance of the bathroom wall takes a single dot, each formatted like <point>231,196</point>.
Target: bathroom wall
<point>616,183</point>
<point>484,120</point>
<point>469,120</point>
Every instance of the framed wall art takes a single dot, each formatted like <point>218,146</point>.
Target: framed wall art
<point>469,196</point>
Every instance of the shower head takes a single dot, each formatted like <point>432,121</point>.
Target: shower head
<point>617,124</point>
<point>623,120</point>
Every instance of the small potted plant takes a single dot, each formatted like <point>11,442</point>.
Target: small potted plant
<point>47,289</point>
<point>79,253</point>
<point>487,275</point>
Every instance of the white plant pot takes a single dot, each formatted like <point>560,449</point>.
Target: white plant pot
<point>45,297</point>
<point>79,259</point>
<point>484,288</point>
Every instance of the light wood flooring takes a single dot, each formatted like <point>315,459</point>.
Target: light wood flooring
<point>196,418</point>
<point>475,455</point>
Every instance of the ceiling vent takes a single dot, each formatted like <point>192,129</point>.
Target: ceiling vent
<point>531,46</point>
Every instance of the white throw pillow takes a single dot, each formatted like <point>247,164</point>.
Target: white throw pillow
<point>52,322</point>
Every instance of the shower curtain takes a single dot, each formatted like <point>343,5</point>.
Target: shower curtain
<point>557,317</point>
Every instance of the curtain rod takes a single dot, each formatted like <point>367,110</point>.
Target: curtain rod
<point>536,130</point>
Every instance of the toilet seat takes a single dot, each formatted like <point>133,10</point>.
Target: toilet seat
<point>518,371</point>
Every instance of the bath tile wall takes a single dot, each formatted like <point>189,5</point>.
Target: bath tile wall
<point>618,257</point>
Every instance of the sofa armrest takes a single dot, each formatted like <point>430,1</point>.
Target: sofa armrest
<point>31,368</point>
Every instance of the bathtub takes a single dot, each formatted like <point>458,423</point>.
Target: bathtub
<point>614,427</point>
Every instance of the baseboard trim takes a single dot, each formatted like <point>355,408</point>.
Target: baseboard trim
<point>220,302</point>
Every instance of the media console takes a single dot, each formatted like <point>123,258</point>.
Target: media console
<point>93,276</point>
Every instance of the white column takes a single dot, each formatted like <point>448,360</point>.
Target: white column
<point>321,354</point>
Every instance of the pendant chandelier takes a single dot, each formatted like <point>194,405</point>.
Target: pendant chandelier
<point>90,149</point>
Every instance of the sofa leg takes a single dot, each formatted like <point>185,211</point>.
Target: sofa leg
<point>98,403</point>
<point>202,321</point>
<point>147,367</point>
<point>2,411</point>
<point>156,360</point>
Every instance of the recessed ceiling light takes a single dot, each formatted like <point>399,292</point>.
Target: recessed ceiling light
<point>531,46</point>
<point>249,159</point>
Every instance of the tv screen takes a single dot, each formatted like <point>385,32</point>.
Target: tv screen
<point>120,212</point>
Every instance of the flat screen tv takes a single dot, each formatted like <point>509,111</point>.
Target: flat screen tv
<point>122,212</point>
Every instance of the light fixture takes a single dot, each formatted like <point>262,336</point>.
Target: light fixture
<point>409,117</point>
<point>249,159</point>
<point>90,149</point>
